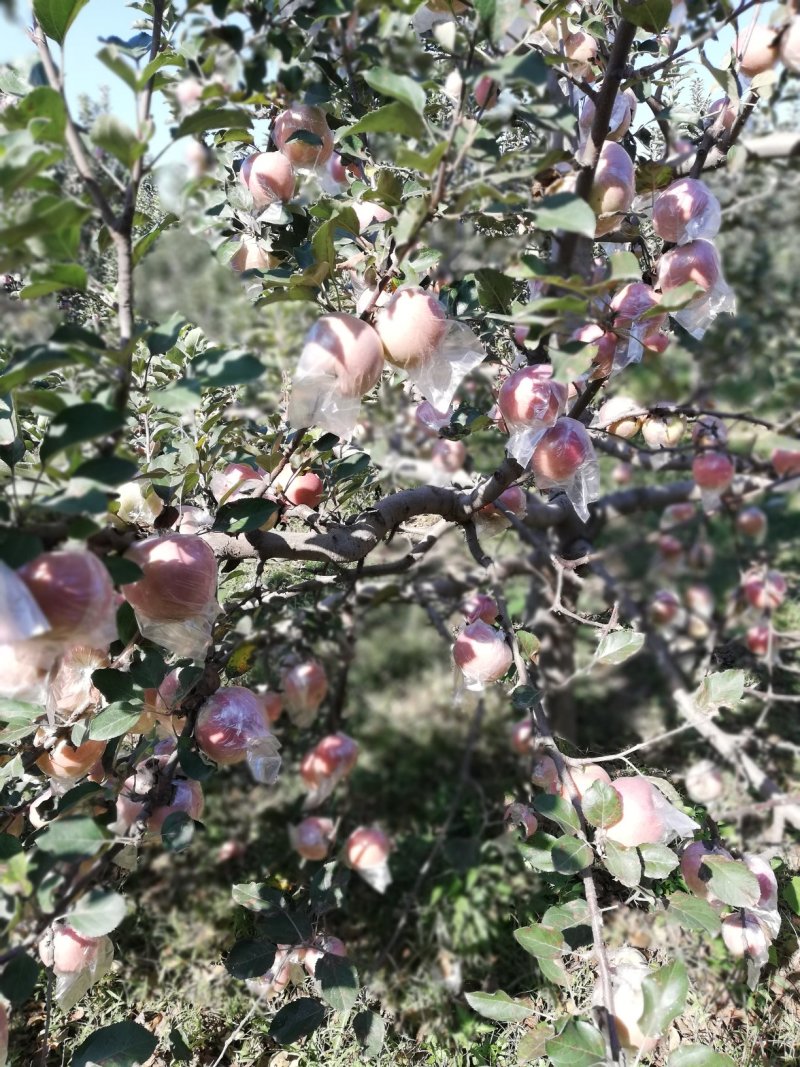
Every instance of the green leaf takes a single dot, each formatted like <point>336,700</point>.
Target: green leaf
<point>370,1030</point>
<point>571,856</point>
<point>732,882</point>
<point>495,289</point>
<point>664,992</point>
<point>541,941</point>
<point>110,57</point>
<point>564,211</point>
<point>14,710</point>
<point>566,916</point>
<point>56,16</point>
<point>791,895</point>
<point>34,362</point>
<point>651,15</point>
<point>659,861</point>
<point>217,367</point>
<point>537,851</point>
<point>53,278</point>
<point>338,982</point>
<point>601,805</point>
<point>554,971</point>
<point>532,1046</point>
<point>82,422</point>
<point>531,68</point>
<point>397,118</point>
<point>698,1056</point>
<point>328,886</point>
<point>303,1016</point>
<point>79,836</point>
<point>250,958</point>
<point>578,1045</point>
<point>213,118</point>
<point>558,810</point>
<point>398,86</point>
<point>119,1045</point>
<point>108,470</point>
<point>18,978</point>
<point>178,831</point>
<point>624,266</point>
<point>722,688</point>
<point>693,913</point>
<point>623,864</point>
<point>498,1006</point>
<point>256,896</point>
<point>114,721</point>
<point>242,516</point>
<point>98,913</point>
<point>113,136</point>
<point>618,646</point>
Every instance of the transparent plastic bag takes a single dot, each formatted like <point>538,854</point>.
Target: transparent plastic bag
<point>582,489</point>
<point>700,313</point>
<point>21,617</point>
<point>71,987</point>
<point>186,638</point>
<point>317,400</point>
<point>458,353</point>
<point>378,877</point>
<point>264,760</point>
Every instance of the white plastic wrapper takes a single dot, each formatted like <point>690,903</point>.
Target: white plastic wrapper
<point>699,315</point>
<point>378,878</point>
<point>185,638</point>
<point>685,211</point>
<point>24,668</point>
<point>20,615</point>
<point>582,489</point>
<point>630,347</point>
<point>438,378</point>
<point>264,760</point>
<point>71,987</point>
<point>546,402</point>
<point>317,400</point>
<point>676,824</point>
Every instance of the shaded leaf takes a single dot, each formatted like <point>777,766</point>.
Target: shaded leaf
<point>250,958</point>
<point>558,810</point>
<point>119,1045</point>
<point>177,831</point>
<point>571,856</point>
<point>242,516</point>
<point>82,422</point>
<point>370,1030</point>
<point>338,981</point>
<point>295,1020</point>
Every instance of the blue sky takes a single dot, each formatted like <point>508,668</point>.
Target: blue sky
<point>85,74</point>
